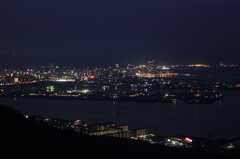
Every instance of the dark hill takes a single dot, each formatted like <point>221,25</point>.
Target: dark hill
<point>28,138</point>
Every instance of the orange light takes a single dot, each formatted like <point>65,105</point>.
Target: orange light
<point>133,95</point>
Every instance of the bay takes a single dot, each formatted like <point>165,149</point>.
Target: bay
<point>219,119</point>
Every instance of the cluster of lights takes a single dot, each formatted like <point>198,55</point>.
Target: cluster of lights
<point>178,141</point>
<point>188,140</point>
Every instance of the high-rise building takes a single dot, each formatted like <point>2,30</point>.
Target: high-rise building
<point>124,127</point>
<point>140,132</point>
<point>150,65</point>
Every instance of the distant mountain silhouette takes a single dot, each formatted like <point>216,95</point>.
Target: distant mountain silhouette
<point>76,61</point>
<point>161,55</point>
<point>124,55</point>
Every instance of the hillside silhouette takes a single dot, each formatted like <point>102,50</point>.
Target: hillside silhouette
<point>30,138</point>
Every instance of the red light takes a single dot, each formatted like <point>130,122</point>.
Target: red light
<point>188,140</point>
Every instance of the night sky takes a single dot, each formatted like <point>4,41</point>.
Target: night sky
<point>122,30</point>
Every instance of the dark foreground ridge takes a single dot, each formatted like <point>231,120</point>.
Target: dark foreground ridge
<point>29,138</point>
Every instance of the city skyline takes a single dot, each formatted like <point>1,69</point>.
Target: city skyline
<point>13,61</point>
<point>168,67</point>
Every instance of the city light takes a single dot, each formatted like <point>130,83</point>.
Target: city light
<point>165,68</point>
<point>188,140</point>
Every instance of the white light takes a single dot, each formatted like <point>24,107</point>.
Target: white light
<point>165,68</point>
<point>86,90</point>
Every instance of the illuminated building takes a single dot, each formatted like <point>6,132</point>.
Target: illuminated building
<point>16,80</point>
<point>124,127</point>
<point>105,132</point>
<point>104,129</point>
<point>150,66</point>
<point>109,129</point>
<point>152,75</point>
<point>50,88</point>
<point>151,62</point>
<point>198,65</point>
<point>123,134</point>
<point>77,122</point>
<point>140,133</point>
<point>102,126</point>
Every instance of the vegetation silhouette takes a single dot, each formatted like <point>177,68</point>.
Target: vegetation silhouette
<point>30,138</point>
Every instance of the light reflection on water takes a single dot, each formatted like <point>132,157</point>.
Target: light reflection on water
<point>218,119</point>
